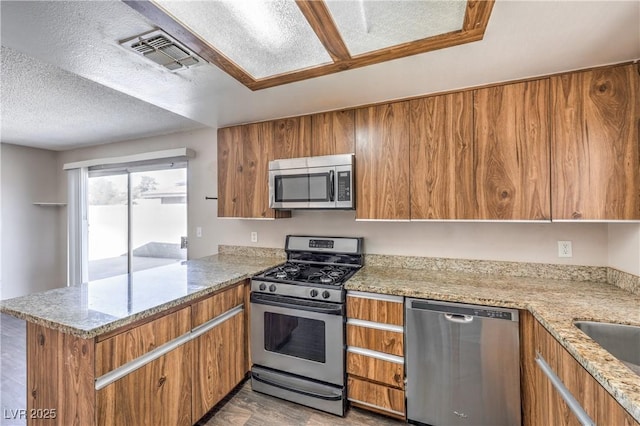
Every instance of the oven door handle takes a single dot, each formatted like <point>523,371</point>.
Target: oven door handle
<point>284,302</point>
<point>329,397</point>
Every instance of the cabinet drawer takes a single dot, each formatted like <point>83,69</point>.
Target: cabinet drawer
<point>376,369</point>
<point>137,341</point>
<point>374,396</point>
<point>217,304</point>
<point>159,393</point>
<point>375,308</point>
<point>381,340</point>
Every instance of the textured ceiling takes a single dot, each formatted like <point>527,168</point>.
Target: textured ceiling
<point>46,107</point>
<point>523,39</point>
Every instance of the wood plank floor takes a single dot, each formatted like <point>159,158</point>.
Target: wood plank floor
<point>242,407</point>
<point>249,408</point>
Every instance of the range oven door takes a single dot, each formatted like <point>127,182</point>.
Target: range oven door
<point>302,337</point>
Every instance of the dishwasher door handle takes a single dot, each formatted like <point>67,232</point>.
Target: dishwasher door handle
<point>459,319</point>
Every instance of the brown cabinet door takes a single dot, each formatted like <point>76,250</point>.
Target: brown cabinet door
<point>159,393</point>
<point>595,144</point>
<point>292,138</point>
<point>256,143</point>
<point>243,170</point>
<point>219,364</point>
<point>382,157</point>
<point>333,133</point>
<point>442,174</point>
<point>548,407</point>
<point>376,397</point>
<point>512,151</point>
<point>230,172</point>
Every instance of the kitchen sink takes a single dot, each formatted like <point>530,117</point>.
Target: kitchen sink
<point>622,341</point>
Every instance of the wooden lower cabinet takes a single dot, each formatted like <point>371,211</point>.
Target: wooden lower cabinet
<point>375,308</point>
<point>542,403</point>
<point>375,353</point>
<point>376,369</point>
<point>129,377</point>
<point>60,378</point>
<point>158,393</point>
<point>375,397</point>
<point>390,342</point>
<point>219,364</point>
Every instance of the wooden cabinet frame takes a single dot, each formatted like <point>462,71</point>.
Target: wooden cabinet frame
<point>87,381</point>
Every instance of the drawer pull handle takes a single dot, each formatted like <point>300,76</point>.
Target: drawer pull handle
<point>573,405</point>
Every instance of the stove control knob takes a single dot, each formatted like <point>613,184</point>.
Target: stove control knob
<point>262,287</point>
<point>272,288</point>
<point>313,293</point>
<point>326,294</point>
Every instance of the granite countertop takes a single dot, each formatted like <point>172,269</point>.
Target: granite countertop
<point>555,303</point>
<point>91,309</point>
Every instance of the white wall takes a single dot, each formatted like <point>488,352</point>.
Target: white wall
<point>32,258</point>
<point>493,241</point>
<point>523,242</point>
<point>624,247</point>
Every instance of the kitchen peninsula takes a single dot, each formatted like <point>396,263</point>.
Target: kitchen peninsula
<point>97,351</point>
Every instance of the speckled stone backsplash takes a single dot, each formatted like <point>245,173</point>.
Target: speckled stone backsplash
<point>624,280</point>
<point>252,251</point>
<point>509,269</point>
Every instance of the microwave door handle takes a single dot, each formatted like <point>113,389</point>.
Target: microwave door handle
<point>332,185</point>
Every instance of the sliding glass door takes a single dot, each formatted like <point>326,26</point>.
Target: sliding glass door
<point>137,218</point>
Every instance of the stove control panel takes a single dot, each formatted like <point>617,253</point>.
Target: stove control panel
<point>300,291</point>
<point>324,244</point>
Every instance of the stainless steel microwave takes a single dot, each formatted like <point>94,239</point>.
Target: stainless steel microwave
<point>312,183</point>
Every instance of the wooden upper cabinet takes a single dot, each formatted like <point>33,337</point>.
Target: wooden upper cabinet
<point>292,138</point>
<point>442,173</point>
<point>382,155</point>
<point>256,144</point>
<point>595,144</point>
<point>512,151</point>
<point>243,171</point>
<point>333,133</point>
<point>230,168</point>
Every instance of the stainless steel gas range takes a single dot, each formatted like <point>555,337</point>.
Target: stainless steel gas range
<point>297,322</point>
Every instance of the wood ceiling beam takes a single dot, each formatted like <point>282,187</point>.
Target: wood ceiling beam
<point>477,14</point>
<point>400,51</point>
<point>189,39</point>
<point>317,14</point>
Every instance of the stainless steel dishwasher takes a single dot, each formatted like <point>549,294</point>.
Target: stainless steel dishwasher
<point>463,364</point>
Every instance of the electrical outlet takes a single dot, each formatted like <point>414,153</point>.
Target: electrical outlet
<point>199,231</point>
<point>254,237</point>
<point>565,249</point>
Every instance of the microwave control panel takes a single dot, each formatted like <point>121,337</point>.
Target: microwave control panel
<point>344,186</point>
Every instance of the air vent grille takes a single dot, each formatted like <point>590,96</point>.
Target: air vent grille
<point>160,48</point>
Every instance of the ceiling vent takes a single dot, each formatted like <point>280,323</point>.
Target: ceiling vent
<point>162,49</point>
